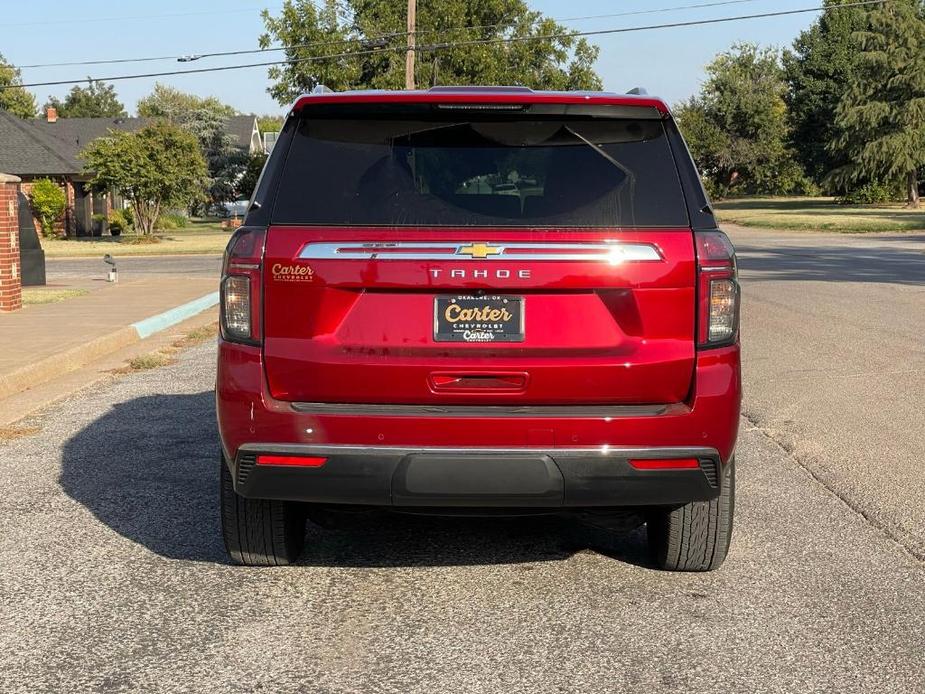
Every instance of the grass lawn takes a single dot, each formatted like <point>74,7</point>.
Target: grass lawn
<point>32,296</point>
<point>819,214</point>
<point>201,236</point>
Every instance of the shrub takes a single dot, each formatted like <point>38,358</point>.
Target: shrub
<point>166,222</point>
<point>870,194</point>
<point>119,221</point>
<point>714,190</point>
<point>141,240</point>
<point>48,203</point>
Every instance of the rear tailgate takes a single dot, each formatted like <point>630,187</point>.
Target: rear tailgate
<point>356,329</point>
<point>392,220</point>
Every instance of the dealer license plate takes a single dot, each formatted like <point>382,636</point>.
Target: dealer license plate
<point>479,318</point>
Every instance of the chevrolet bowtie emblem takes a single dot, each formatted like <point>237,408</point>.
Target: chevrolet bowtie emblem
<point>479,250</point>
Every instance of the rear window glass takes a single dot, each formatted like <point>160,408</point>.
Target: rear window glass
<point>458,171</point>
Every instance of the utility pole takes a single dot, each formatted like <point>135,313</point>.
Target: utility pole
<point>409,55</point>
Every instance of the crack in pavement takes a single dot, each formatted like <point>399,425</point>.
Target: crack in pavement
<point>854,506</point>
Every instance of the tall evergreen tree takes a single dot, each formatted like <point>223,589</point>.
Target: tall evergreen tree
<point>819,69</point>
<point>882,115</point>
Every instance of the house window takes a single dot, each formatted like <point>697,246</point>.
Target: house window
<point>269,139</point>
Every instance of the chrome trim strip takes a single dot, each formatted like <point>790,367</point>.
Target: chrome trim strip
<point>486,411</point>
<point>328,450</point>
<point>614,252</point>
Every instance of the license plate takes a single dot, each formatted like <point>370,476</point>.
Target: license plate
<point>479,319</point>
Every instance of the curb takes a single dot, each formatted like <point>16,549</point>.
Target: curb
<point>162,321</point>
<point>76,357</point>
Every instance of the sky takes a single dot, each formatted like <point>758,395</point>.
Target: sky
<point>667,62</point>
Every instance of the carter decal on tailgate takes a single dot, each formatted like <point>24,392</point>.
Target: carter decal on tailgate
<point>292,273</point>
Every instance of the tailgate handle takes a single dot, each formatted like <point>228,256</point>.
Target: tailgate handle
<point>504,382</point>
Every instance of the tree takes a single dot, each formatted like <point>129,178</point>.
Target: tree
<point>225,161</point>
<point>96,100</point>
<point>205,118</point>
<point>174,105</point>
<point>48,202</point>
<point>737,126</point>
<point>156,168</point>
<point>882,114</point>
<point>13,97</point>
<point>244,187</point>
<point>377,29</point>
<point>819,68</point>
<point>270,124</point>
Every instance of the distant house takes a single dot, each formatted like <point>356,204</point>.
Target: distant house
<point>269,140</point>
<point>49,148</point>
<point>245,130</point>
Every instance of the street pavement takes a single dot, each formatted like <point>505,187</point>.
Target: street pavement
<point>63,269</point>
<point>113,578</point>
<point>833,334</point>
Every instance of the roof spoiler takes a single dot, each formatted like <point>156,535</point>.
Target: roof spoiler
<point>638,91</point>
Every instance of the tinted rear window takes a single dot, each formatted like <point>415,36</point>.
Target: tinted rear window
<point>453,170</point>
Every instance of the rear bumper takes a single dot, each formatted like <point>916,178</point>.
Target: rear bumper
<point>477,477</point>
<point>375,453</point>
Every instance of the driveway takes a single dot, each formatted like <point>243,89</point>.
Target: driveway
<point>114,579</point>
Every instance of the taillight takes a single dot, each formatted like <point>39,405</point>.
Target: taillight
<point>717,290</point>
<point>240,286</point>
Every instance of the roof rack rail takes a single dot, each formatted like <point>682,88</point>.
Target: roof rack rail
<point>638,91</point>
<point>321,89</point>
<point>475,88</point>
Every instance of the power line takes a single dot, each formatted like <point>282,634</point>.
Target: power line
<point>197,56</point>
<point>610,15</point>
<point>456,44</point>
<point>696,22</point>
<point>381,37</point>
<point>168,15</point>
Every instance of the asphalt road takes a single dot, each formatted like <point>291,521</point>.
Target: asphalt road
<point>59,269</point>
<point>112,575</point>
<point>834,364</point>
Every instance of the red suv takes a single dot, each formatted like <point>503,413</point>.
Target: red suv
<point>480,300</point>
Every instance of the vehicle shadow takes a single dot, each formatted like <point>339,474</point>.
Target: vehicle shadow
<point>148,469</point>
<point>832,264</point>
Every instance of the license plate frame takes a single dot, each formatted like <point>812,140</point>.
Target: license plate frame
<point>487,327</point>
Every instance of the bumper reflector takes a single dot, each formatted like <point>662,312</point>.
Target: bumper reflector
<point>296,460</point>
<point>665,463</point>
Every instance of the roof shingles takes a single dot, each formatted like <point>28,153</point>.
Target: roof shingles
<point>37,147</point>
<point>25,151</point>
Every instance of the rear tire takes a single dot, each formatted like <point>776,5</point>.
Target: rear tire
<point>260,532</point>
<point>694,537</point>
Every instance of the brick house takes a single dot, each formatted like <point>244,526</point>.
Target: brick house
<point>50,147</point>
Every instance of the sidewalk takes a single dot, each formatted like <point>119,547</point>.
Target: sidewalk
<point>42,342</point>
